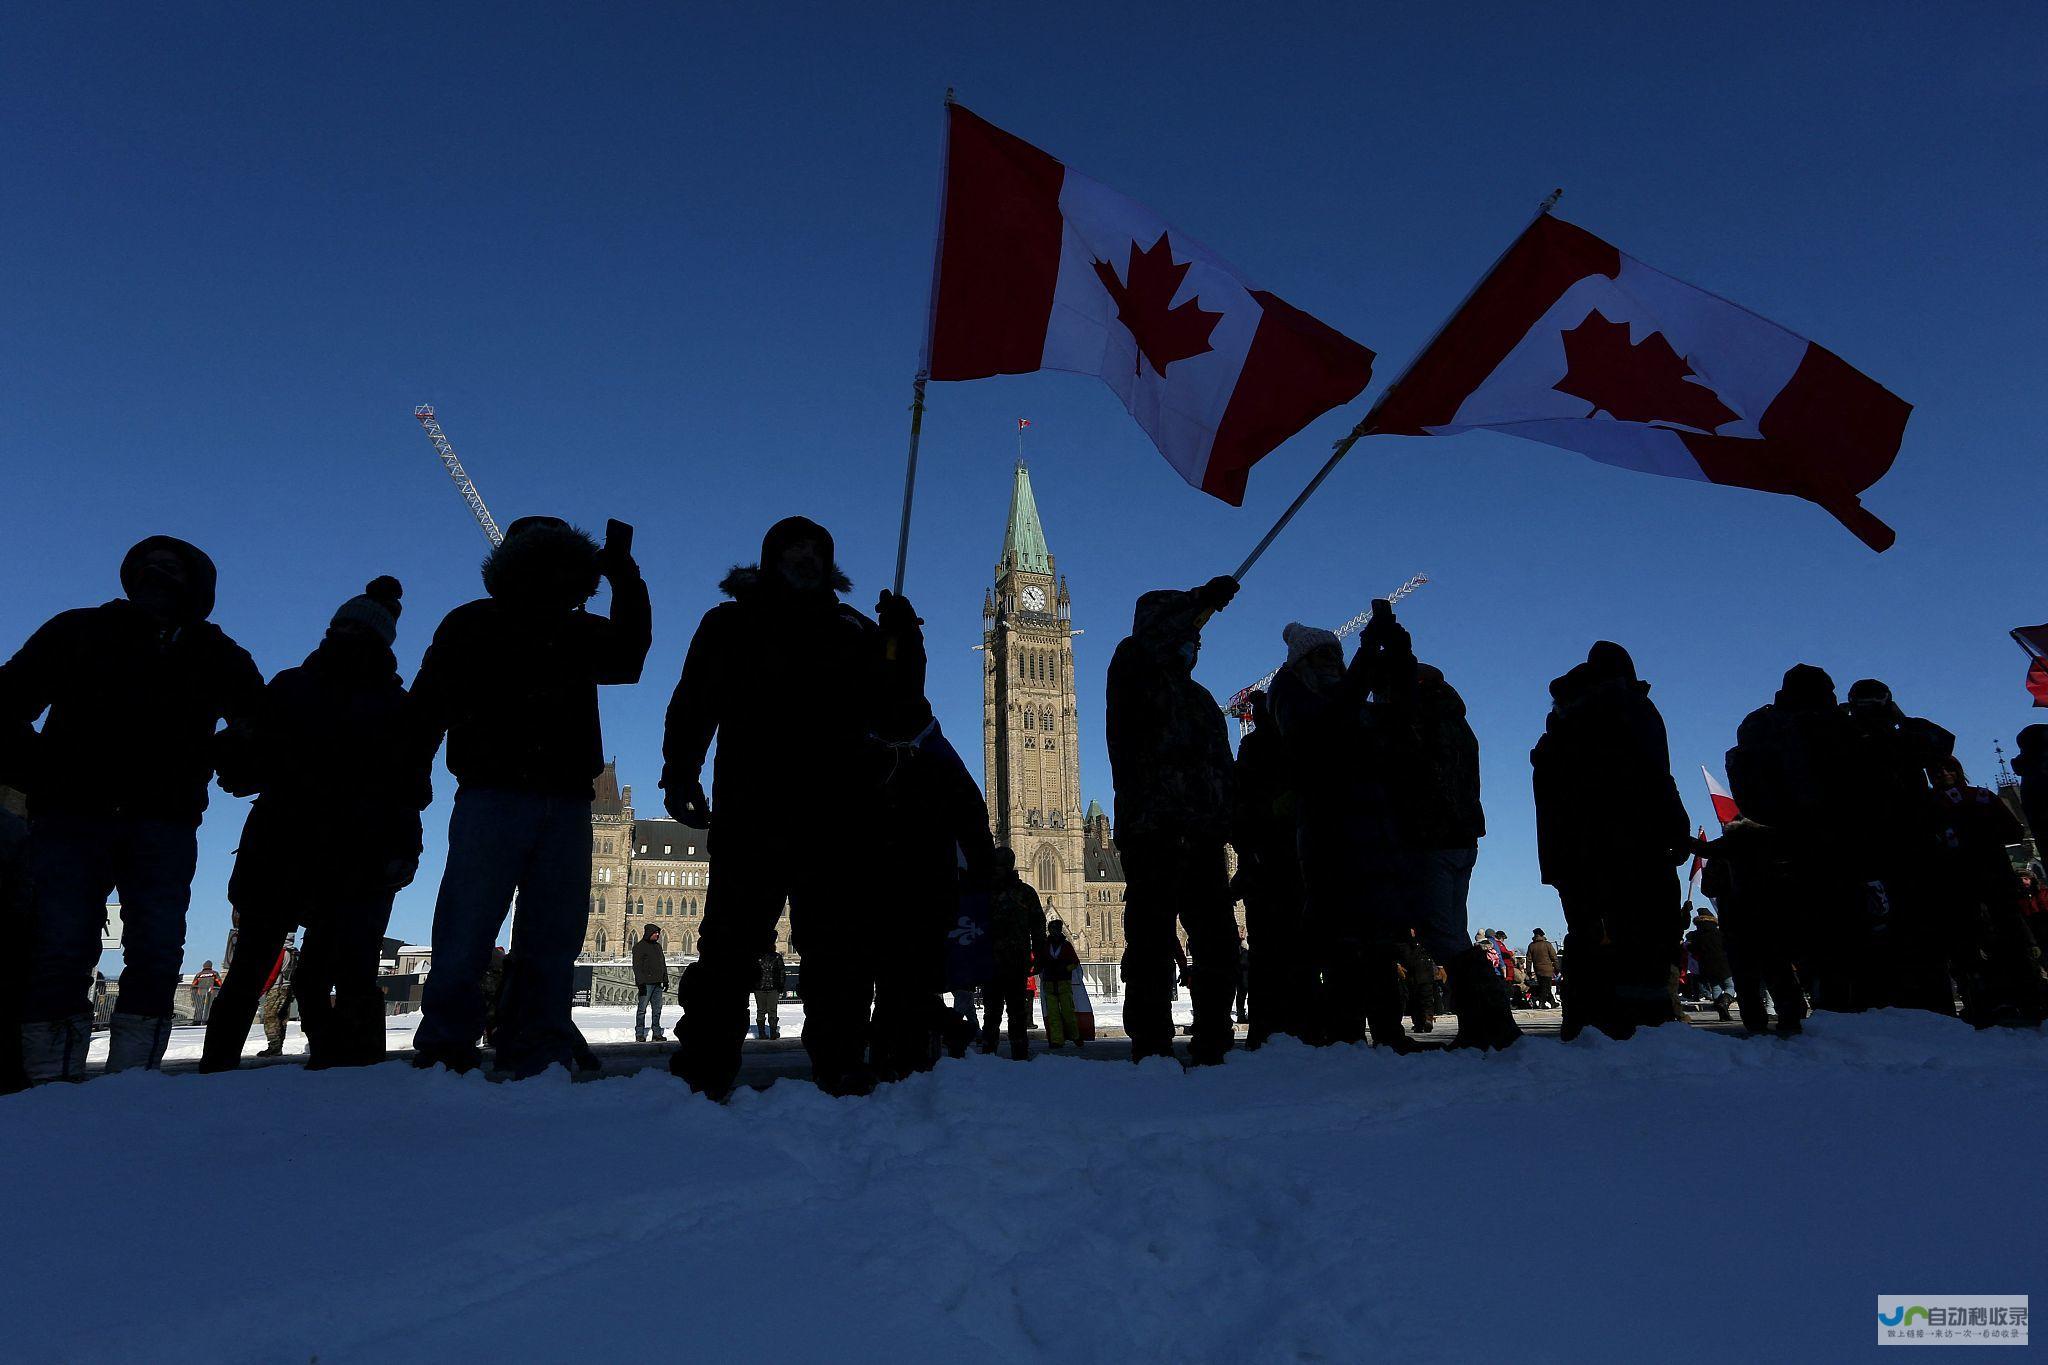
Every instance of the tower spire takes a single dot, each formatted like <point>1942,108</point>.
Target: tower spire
<point>1024,537</point>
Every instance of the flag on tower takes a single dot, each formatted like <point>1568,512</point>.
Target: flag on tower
<point>1569,342</point>
<point>1724,804</point>
<point>1041,268</point>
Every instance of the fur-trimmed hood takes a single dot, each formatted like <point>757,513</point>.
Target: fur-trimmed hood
<point>748,580</point>
<point>538,553</point>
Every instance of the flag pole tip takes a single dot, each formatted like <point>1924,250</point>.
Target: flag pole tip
<point>1551,202</point>
<point>949,95</point>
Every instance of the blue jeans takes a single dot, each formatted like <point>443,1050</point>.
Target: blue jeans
<point>501,842</point>
<point>76,860</point>
<point>1446,877</point>
<point>651,997</point>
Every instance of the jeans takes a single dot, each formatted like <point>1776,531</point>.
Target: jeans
<point>76,860</point>
<point>1007,992</point>
<point>1446,882</point>
<point>652,995</point>
<point>767,1013</point>
<point>501,842</point>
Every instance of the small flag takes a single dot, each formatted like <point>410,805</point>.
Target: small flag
<point>1724,804</point>
<point>2034,640</point>
<point>1023,422</point>
<point>1571,343</point>
<point>1041,268</point>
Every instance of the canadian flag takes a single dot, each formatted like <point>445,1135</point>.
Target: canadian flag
<point>1725,809</point>
<point>1040,268</point>
<point>2034,640</point>
<point>1569,342</point>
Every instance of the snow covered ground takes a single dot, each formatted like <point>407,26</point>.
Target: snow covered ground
<point>1685,1194</point>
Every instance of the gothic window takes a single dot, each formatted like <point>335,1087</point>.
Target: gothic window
<point>600,938</point>
<point>604,874</point>
<point>1030,719</point>
<point>1048,870</point>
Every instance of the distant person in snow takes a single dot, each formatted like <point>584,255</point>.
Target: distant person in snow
<point>650,981</point>
<point>768,989</point>
<point>1169,754</point>
<point>512,680</point>
<point>1056,966</point>
<point>1542,959</point>
<point>1610,833</point>
<point>784,677</point>
<point>333,744</point>
<point>277,1000</point>
<point>206,983</point>
<point>116,785</point>
<point>1716,982</point>
<point>1017,926</point>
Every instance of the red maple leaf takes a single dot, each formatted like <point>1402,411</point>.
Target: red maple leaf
<point>1144,303</point>
<point>1646,382</point>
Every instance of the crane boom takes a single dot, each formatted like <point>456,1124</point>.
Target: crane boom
<point>1236,705</point>
<point>424,414</point>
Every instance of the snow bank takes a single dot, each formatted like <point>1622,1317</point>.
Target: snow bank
<point>1680,1193</point>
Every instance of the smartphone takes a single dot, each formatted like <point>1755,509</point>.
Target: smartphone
<point>618,536</point>
<point>1382,607</point>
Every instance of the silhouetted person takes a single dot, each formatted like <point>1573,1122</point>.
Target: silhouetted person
<point>1361,886</point>
<point>1791,769</point>
<point>2030,765</point>
<point>1169,755</point>
<point>1610,832</point>
<point>1017,926</point>
<point>16,903</point>
<point>1978,905</point>
<point>650,981</point>
<point>1427,759</point>
<point>1710,951</point>
<point>1751,882</point>
<point>1894,848</point>
<point>1279,986</point>
<point>1542,959</point>
<point>784,676</point>
<point>116,785</point>
<point>333,745</point>
<point>932,827</point>
<point>768,995</point>
<point>512,679</point>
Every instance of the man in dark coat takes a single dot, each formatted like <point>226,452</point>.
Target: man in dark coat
<point>1793,769</point>
<point>1983,938</point>
<point>1169,755</point>
<point>1711,953</point>
<point>1542,959</point>
<point>512,680</point>
<point>650,978</point>
<point>1262,830</point>
<point>784,676</point>
<point>332,747</point>
<point>1749,881</point>
<point>1610,832</point>
<point>2030,765</point>
<point>1894,847</point>
<point>1017,925</point>
<point>116,784</point>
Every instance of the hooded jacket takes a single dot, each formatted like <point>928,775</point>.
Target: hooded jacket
<point>650,968</point>
<point>333,748</point>
<point>1602,775</point>
<point>1790,765</point>
<point>1169,750</point>
<point>785,681</point>
<point>512,678</point>
<point>132,702</point>
<point>2030,765</point>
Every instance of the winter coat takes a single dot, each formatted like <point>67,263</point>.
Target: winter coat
<point>1345,820</point>
<point>1017,925</point>
<point>1056,962</point>
<point>774,973</point>
<point>1889,756</point>
<point>1421,741</point>
<point>1791,769</point>
<point>1710,951</point>
<point>513,680</point>
<point>1542,956</point>
<point>333,745</point>
<point>132,703</point>
<point>1602,779</point>
<point>1169,748</point>
<point>2030,765</point>
<point>1263,813</point>
<point>934,833</point>
<point>785,682</point>
<point>1973,828</point>
<point>650,968</point>
<point>205,983</point>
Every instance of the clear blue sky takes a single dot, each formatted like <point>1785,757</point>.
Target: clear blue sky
<point>670,264</point>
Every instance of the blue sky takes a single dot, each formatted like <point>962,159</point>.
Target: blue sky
<point>670,264</point>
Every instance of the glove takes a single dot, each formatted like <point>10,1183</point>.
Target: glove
<point>688,805</point>
<point>895,615</point>
<point>1217,592</point>
<point>399,872</point>
<point>616,564</point>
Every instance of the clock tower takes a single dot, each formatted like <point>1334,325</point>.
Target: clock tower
<point>1031,762</point>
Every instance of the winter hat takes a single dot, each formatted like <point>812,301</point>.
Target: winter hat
<point>1807,687</point>
<point>790,531</point>
<point>1304,640</point>
<point>1706,917</point>
<point>1610,660</point>
<point>1869,689</point>
<point>200,576</point>
<point>376,609</point>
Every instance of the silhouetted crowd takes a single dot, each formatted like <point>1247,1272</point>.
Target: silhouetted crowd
<point>1864,871</point>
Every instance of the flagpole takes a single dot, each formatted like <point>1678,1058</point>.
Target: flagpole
<point>924,363</point>
<point>1343,447</point>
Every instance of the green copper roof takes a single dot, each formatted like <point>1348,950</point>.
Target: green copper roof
<point>1024,538</point>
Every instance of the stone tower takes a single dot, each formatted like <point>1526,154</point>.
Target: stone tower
<point>1030,759</point>
<point>605,933</point>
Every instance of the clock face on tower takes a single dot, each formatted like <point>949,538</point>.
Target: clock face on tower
<point>1034,599</point>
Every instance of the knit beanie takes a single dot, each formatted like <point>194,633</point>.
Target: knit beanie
<point>376,609</point>
<point>1302,640</point>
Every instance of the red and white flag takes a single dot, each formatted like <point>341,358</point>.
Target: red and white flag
<point>2034,640</point>
<point>1569,342</point>
<point>1041,268</point>
<point>1724,804</point>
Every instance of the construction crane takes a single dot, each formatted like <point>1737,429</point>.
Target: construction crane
<point>1240,707</point>
<point>424,414</point>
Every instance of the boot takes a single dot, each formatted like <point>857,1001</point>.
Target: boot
<point>54,1050</point>
<point>1212,1033</point>
<point>1383,1008</point>
<point>1480,999</point>
<point>137,1040</point>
